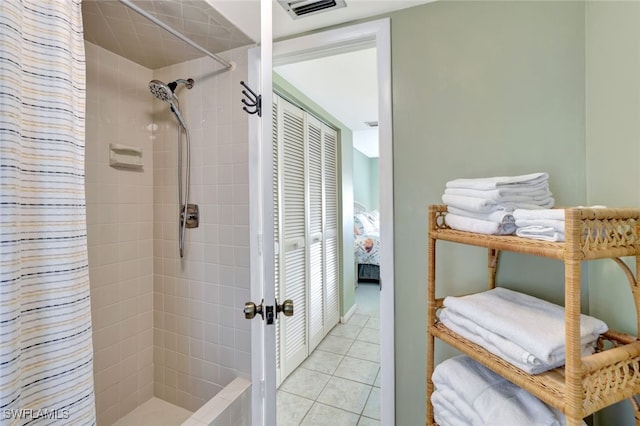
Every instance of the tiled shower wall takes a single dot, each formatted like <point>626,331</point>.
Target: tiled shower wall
<point>201,339</point>
<point>164,326</point>
<point>120,233</point>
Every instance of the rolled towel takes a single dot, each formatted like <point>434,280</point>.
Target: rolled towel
<point>494,400</point>
<point>506,349</point>
<point>479,226</point>
<point>498,181</point>
<point>534,324</point>
<point>542,233</point>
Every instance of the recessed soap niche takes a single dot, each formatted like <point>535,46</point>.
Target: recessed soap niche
<point>125,157</point>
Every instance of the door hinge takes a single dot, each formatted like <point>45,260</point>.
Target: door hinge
<point>262,389</point>
<point>260,244</point>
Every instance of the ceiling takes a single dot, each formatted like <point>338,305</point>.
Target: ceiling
<point>245,14</point>
<point>113,26</point>
<point>344,85</point>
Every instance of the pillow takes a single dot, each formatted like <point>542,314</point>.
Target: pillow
<point>374,218</point>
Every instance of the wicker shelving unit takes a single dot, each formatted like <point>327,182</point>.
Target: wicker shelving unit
<point>584,385</point>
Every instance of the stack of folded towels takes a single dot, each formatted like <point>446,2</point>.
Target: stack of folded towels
<point>485,205</point>
<point>525,331</point>
<point>469,394</point>
<point>544,224</point>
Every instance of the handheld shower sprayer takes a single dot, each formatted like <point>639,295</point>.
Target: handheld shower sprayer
<point>166,93</point>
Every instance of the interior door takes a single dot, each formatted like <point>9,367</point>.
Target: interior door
<point>261,220</point>
<point>315,226</point>
<point>263,348</point>
<point>293,277</point>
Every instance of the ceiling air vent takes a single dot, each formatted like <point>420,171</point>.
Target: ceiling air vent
<point>301,8</point>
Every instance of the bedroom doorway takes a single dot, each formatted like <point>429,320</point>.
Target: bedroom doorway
<point>337,348</point>
<point>357,37</point>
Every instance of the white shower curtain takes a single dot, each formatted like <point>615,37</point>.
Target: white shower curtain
<point>46,356</point>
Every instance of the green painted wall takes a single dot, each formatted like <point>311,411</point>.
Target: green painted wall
<point>484,88</point>
<point>365,182</point>
<point>345,193</point>
<point>613,154</point>
<point>374,180</point>
<point>479,89</point>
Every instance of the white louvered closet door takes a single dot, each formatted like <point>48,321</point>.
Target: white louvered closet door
<point>315,227</point>
<point>331,271</point>
<point>293,331</point>
<point>305,194</point>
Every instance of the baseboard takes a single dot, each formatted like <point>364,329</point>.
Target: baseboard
<point>349,314</point>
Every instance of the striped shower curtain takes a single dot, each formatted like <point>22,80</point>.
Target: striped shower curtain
<point>46,356</point>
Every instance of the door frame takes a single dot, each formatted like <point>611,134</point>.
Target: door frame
<point>340,40</point>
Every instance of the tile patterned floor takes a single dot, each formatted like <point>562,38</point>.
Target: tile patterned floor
<point>339,383</point>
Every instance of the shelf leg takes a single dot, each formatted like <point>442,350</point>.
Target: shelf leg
<point>492,264</point>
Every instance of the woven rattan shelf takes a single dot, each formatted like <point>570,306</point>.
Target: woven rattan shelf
<point>584,385</point>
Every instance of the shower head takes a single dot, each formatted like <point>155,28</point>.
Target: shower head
<point>165,92</point>
<point>161,90</point>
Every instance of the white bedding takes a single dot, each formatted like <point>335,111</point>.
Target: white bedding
<point>367,238</point>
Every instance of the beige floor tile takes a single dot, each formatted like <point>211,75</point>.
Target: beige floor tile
<point>370,335</point>
<point>359,370</point>
<point>366,421</point>
<point>372,408</point>
<point>358,319</point>
<point>291,409</point>
<point>336,345</point>
<point>349,331</point>
<point>323,415</point>
<point>324,362</point>
<point>345,394</point>
<point>365,350</point>
<point>305,383</point>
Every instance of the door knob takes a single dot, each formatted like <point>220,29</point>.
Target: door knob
<point>251,309</point>
<point>286,308</point>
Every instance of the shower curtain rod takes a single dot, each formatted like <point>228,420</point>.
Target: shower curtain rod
<point>228,65</point>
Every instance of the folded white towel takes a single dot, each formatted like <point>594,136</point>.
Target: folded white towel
<point>463,382</point>
<point>534,324</point>
<point>553,214</point>
<point>497,216</point>
<point>557,225</point>
<point>542,233</point>
<point>481,205</point>
<point>502,194</point>
<point>498,181</point>
<point>447,410</point>
<point>479,226</point>
<point>506,349</point>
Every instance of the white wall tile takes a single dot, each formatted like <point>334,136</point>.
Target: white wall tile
<point>113,197</point>
<point>156,308</point>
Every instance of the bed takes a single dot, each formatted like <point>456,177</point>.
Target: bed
<point>366,243</point>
